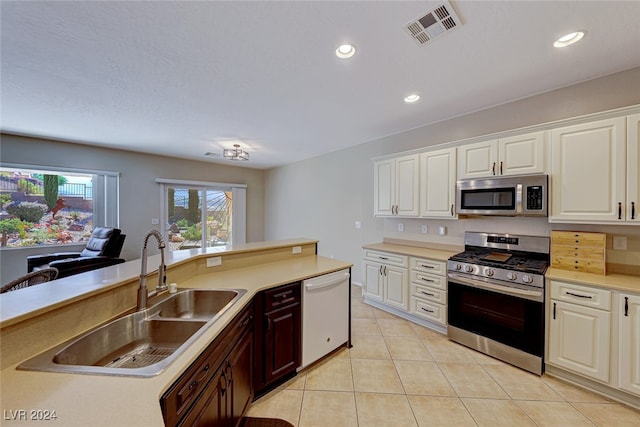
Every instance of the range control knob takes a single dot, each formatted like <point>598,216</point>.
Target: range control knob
<point>526,278</point>
<point>458,267</point>
<point>511,275</point>
<point>488,272</point>
<point>468,268</point>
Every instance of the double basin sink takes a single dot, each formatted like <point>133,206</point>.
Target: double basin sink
<point>143,343</point>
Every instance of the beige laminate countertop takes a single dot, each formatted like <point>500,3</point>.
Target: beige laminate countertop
<point>416,251</point>
<point>95,400</point>
<point>619,282</point>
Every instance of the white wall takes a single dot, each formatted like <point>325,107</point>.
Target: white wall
<point>139,193</point>
<point>323,197</point>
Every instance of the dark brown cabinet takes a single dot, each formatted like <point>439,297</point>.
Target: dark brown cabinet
<point>216,389</point>
<point>278,347</point>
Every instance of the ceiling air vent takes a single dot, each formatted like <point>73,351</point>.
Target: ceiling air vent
<point>433,24</point>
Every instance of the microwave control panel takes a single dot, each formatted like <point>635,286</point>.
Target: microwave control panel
<point>535,198</point>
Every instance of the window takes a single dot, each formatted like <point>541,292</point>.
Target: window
<point>201,214</point>
<point>54,206</point>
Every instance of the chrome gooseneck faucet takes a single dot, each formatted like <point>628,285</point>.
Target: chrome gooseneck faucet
<point>143,293</point>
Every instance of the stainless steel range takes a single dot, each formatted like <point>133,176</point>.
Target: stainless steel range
<point>496,297</point>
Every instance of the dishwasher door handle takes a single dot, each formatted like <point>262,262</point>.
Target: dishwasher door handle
<point>321,285</point>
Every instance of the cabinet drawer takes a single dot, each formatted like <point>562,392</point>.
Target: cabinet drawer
<point>581,295</point>
<point>579,252</point>
<point>584,265</point>
<point>578,238</point>
<point>428,293</point>
<point>386,258</point>
<point>429,266</point>
<point>428,310</point>
<point>282,296</point>
<point>429,280</point>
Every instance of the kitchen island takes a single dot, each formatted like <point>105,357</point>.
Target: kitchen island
<point>38,318</point>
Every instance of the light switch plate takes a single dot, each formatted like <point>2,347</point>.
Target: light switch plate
<point>442,230</point>
<point>424,229</point>
<point>401,227</point>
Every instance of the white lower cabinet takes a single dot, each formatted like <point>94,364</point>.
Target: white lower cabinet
<point>579,339</point>
<point>595,333</point>
<point>429,289</point>
<point>386,278</point>
<point>410,287</point>
<point>629,358</point>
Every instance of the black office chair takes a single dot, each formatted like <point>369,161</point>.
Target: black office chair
<point>33,278</point>
<point>102,250</point>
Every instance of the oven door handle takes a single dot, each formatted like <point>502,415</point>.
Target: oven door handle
<point>532,295</point>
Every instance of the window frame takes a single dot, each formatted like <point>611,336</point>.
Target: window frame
<point>106,196</point>
<point>238,213</point>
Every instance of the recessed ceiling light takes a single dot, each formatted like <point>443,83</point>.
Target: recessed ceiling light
<point>345,51</point>
<point>568,39</point>
<point>410,99</point>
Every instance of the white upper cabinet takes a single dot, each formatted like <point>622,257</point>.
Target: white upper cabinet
<point>633,164</point>
<point>516,155</point>
<point>396,186</point>
<point>588,172</point>
<point>438,184</point>
<point>478,160</point>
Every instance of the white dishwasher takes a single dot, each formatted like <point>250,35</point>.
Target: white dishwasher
<point>325,314</point>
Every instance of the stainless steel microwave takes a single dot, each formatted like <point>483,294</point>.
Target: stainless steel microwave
<point>519,195</point>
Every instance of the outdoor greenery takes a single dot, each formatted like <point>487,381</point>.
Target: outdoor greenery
<point>27,211</point>
<point>192,233</point>
<point>50,190</point>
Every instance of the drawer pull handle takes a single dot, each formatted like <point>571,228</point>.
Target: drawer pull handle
<point>193,385</point>
<point>427,280</point>
<point>424,309</point>
<point>579,296</point>
<point>384,258</point>
<point>626,306</point>
<point>427,293</point>
<point>427,266</point>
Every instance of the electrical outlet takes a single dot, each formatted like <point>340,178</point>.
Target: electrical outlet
<point>214,261</point>
<point>155,221</point>
<point>401,227</point>
<point>358,224</point>
<point>424,229</point>
<point>296,250</point>
<point>442,230</point>
<point>620,243</point>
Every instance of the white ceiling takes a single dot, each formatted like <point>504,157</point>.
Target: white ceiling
<point>182,78</point>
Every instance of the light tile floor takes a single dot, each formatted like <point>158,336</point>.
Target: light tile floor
<point>402,374</point>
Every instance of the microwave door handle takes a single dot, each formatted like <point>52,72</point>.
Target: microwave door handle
<point>519,198</point>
